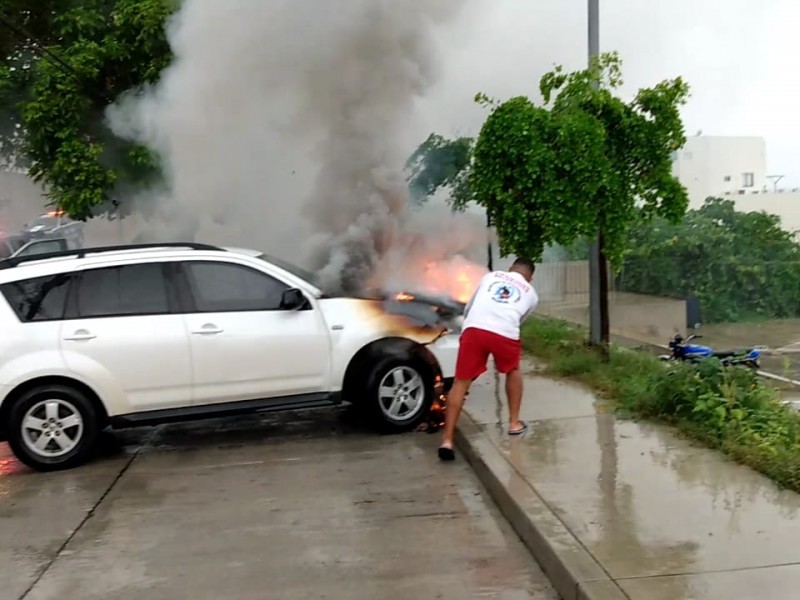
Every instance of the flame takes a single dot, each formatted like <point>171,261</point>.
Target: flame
<point>456,278</point>
<point>436,416</point>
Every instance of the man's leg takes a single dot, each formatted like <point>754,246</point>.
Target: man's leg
<point>455,401</point>
<point>514,394</point>
<point>470,364</point>
<point>507,356</point>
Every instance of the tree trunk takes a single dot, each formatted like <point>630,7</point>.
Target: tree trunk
<point>605,325</point>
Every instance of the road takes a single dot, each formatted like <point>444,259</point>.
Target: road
<point>301,505</point>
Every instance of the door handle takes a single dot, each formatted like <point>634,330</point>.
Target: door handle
<point>207,329</point>
<point>80,335</point>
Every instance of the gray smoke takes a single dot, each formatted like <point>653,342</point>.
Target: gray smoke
<point>281,126</point>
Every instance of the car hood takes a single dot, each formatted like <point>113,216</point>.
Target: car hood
<point>422,319</point>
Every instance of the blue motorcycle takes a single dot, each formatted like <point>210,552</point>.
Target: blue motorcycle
<point>683,350</point>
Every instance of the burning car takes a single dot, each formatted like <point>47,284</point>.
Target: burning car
<point>153,333</point>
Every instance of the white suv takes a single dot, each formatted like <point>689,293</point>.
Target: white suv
<point>139,335</point>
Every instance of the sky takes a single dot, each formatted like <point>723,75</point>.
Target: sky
<point>738,56</point>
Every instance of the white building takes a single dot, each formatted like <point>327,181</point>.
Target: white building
<point>713,166</point>
<point>734,168</point>
<point>784,203</point>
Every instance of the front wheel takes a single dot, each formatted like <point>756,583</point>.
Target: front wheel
<point>53,427</point>
<point>399,394</point>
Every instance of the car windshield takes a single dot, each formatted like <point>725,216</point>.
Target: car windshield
<point>300,272</point>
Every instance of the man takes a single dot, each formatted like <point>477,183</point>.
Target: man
<point>492,319</point>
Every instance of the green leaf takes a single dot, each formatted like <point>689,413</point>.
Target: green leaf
<point>96,51</point>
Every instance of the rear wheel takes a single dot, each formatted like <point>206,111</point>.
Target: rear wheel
<point>52,428</point>
<point>399,394</point>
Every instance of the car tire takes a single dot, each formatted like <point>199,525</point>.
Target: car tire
<point>399,394</point>
<point>53,427</point>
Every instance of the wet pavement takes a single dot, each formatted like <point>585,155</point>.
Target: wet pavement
<point>662,517</point>
<point>300,505</point>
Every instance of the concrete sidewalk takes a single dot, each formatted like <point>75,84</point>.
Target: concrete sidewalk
<point>614,509</point>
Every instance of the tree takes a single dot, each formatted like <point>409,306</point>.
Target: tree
<point>585,162</point>
<point>738,265</point>
<point>64,62</point>
<point>441,163</point>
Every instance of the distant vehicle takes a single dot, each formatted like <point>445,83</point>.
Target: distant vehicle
<point>18,245</point>
<point>683,350</point>
<point>151,333</point>
<point>55,224</point>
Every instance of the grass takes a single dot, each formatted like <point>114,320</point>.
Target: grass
<point>730,409</point>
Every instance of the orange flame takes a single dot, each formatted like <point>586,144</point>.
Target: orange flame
<point>456,278</point>
<point>403,297</point>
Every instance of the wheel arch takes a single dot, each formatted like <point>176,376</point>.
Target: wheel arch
<point>49,380</point>
<point>399,347</point>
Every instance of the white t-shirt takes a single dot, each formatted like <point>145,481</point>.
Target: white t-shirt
<point>501,303</point>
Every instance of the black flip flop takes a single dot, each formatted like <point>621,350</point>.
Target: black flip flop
<point>520,431</point>
<point>446,453</point>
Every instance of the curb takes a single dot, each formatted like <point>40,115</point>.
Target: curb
<point>572,570</point>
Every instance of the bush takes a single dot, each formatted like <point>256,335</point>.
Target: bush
<point>740,265</point>
<point>729,408</point>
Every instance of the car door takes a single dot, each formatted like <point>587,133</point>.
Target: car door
<point>122,325</point>
<point>244,346</point>
<point>39,305</point>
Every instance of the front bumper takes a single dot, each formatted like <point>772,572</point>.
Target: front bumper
<point>445,349</point>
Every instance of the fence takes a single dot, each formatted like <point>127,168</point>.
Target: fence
<point>563,289</point>
<point>565,282</point>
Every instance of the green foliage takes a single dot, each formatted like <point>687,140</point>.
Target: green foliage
<point>581,163</point>
<point>731,409</point>
<point>69,61</point>
<point>739,265</point>
<point>441,163</point>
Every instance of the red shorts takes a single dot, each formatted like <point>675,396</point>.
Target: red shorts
<point>475,347</point>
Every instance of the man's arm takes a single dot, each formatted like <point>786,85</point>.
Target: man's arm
<point>471,301</point>
<point>529,312</point>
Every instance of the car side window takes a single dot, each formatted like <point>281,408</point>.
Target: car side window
<point>126,290</point>
<point>226,287</point>
<point>39,299</point>
<point>42,247</point>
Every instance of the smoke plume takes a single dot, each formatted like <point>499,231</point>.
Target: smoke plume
<point>279,126</point>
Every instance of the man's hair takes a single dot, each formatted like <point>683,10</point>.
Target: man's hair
<point>524,263</point>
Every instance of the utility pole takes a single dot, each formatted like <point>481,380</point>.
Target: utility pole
<point>598,269</point>
<point>489,253</point>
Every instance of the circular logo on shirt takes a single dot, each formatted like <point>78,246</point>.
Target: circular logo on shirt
<point>505,293</point>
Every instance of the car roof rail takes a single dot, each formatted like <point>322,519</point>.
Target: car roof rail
<point>9,263</point>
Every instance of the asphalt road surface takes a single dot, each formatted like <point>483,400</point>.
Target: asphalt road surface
<point>302,505</point>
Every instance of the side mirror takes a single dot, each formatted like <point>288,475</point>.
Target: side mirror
<point>293,299</point>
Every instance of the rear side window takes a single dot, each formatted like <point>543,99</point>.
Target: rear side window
<point>122,291</point>
<point>39,299</point>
